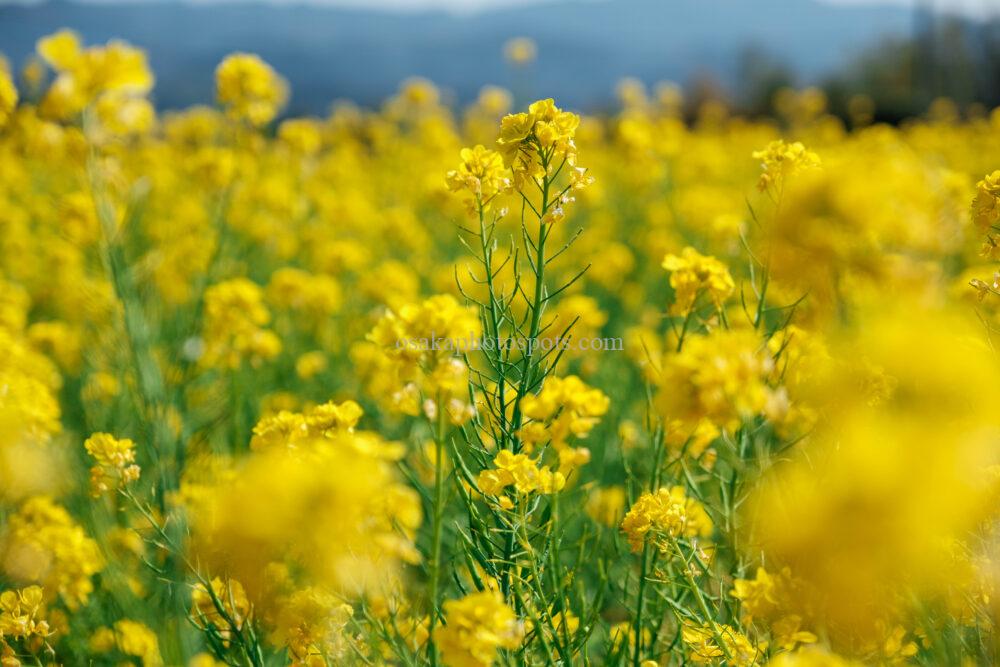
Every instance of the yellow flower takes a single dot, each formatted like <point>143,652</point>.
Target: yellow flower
<point>521,472</point>
<point>986,205</point>
<point>759,595</point>
<point>780,161</point>
<point>693,274</point>
<point>115,462</point>
<point>204,660</point>
<point>361,518</point>
<point>8,97</point>
<point>302,135</point>
<point>858,493</point>
<point>606,504</point>
<point>515,128</point>
<point>136,639</point>
<point>101,387</point>
<point>316,296</point>
<point>811,657</point>
<point>775,599</point>
<point>232,597</point>
<point>22,614</point>
<point>102,641</point>
<point>417,353</point>
<point>293,430</point>
<point>722,377</point>
<point>311,623</point>
<point>691,439</point>
<point>564,407</point>
<point>310,364</point>
<point>520,51</point>
<point>114,76</point>
<point>249,89</point>
<point>540,141</point>
<point>59,340</point>
<point>663,515</point>
<point>481,174</point>
<point>704,648</point>
<point>787,633</point>
<point>60,50</point>
<point>475,628</point>
<point>233,329</point>
<point>44,544</point>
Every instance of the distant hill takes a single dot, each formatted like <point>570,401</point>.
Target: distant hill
<point>585,47</point>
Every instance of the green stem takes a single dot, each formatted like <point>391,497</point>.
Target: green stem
<point>151,388</point>
<point>494,326</point>
<point>639,603</point>
<point>700,598</point>
<point>435,565</point>
<point>527,371</point>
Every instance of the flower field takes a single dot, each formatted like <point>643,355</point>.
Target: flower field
<point>495,385</point>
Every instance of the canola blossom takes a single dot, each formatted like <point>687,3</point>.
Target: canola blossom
<point>220,443</point>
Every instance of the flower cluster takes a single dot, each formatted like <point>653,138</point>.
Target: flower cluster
<point>563,408</point>
<point>22,619</point>
<point>418,362</point>
<point>294,429</point>
<point>234,329</point>
<point>693,274</point>
<point>521,472</point>
<point>8,96</point>
<point>476,627</point>
<point>249,89</point>
<point>780,161</point>
<point>343,485</point>
<point>722,377</point>
<point>481,174</point>
<point>112,79</point>
<point>313,296</point>
<point>130,639</point>
<point>665,515</point>
<point>312,623</point>
<point>774,599</point>
<point>44,545</point>
<point>540,142</point>
<point>709,643</point>
<point>115,462</point>
<point>986,205</point>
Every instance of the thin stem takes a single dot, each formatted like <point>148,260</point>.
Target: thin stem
<point>641,596</point>
<point>435,565</point>
<point>700,599</point>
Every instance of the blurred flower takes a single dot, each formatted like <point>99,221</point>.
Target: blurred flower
<point>520,51</point>
<point>780,161</point>
<point>249,89</point>
<point>475,628</point>
<point>693,274</point>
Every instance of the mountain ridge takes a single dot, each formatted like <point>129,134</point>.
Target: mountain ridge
<point>362,54</point>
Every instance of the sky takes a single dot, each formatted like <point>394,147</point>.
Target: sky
<point>976,8</point>
<point>973,8</point>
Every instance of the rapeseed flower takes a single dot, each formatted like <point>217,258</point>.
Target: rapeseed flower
<point>665,515</point>
<point>115,462</point>
<point>693,274</point>
<point>249,89</point>
<point>476,628</point>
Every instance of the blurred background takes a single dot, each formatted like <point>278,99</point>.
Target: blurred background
<point>901,54</point>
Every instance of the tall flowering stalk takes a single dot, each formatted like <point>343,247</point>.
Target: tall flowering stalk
<point>535,168</point>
